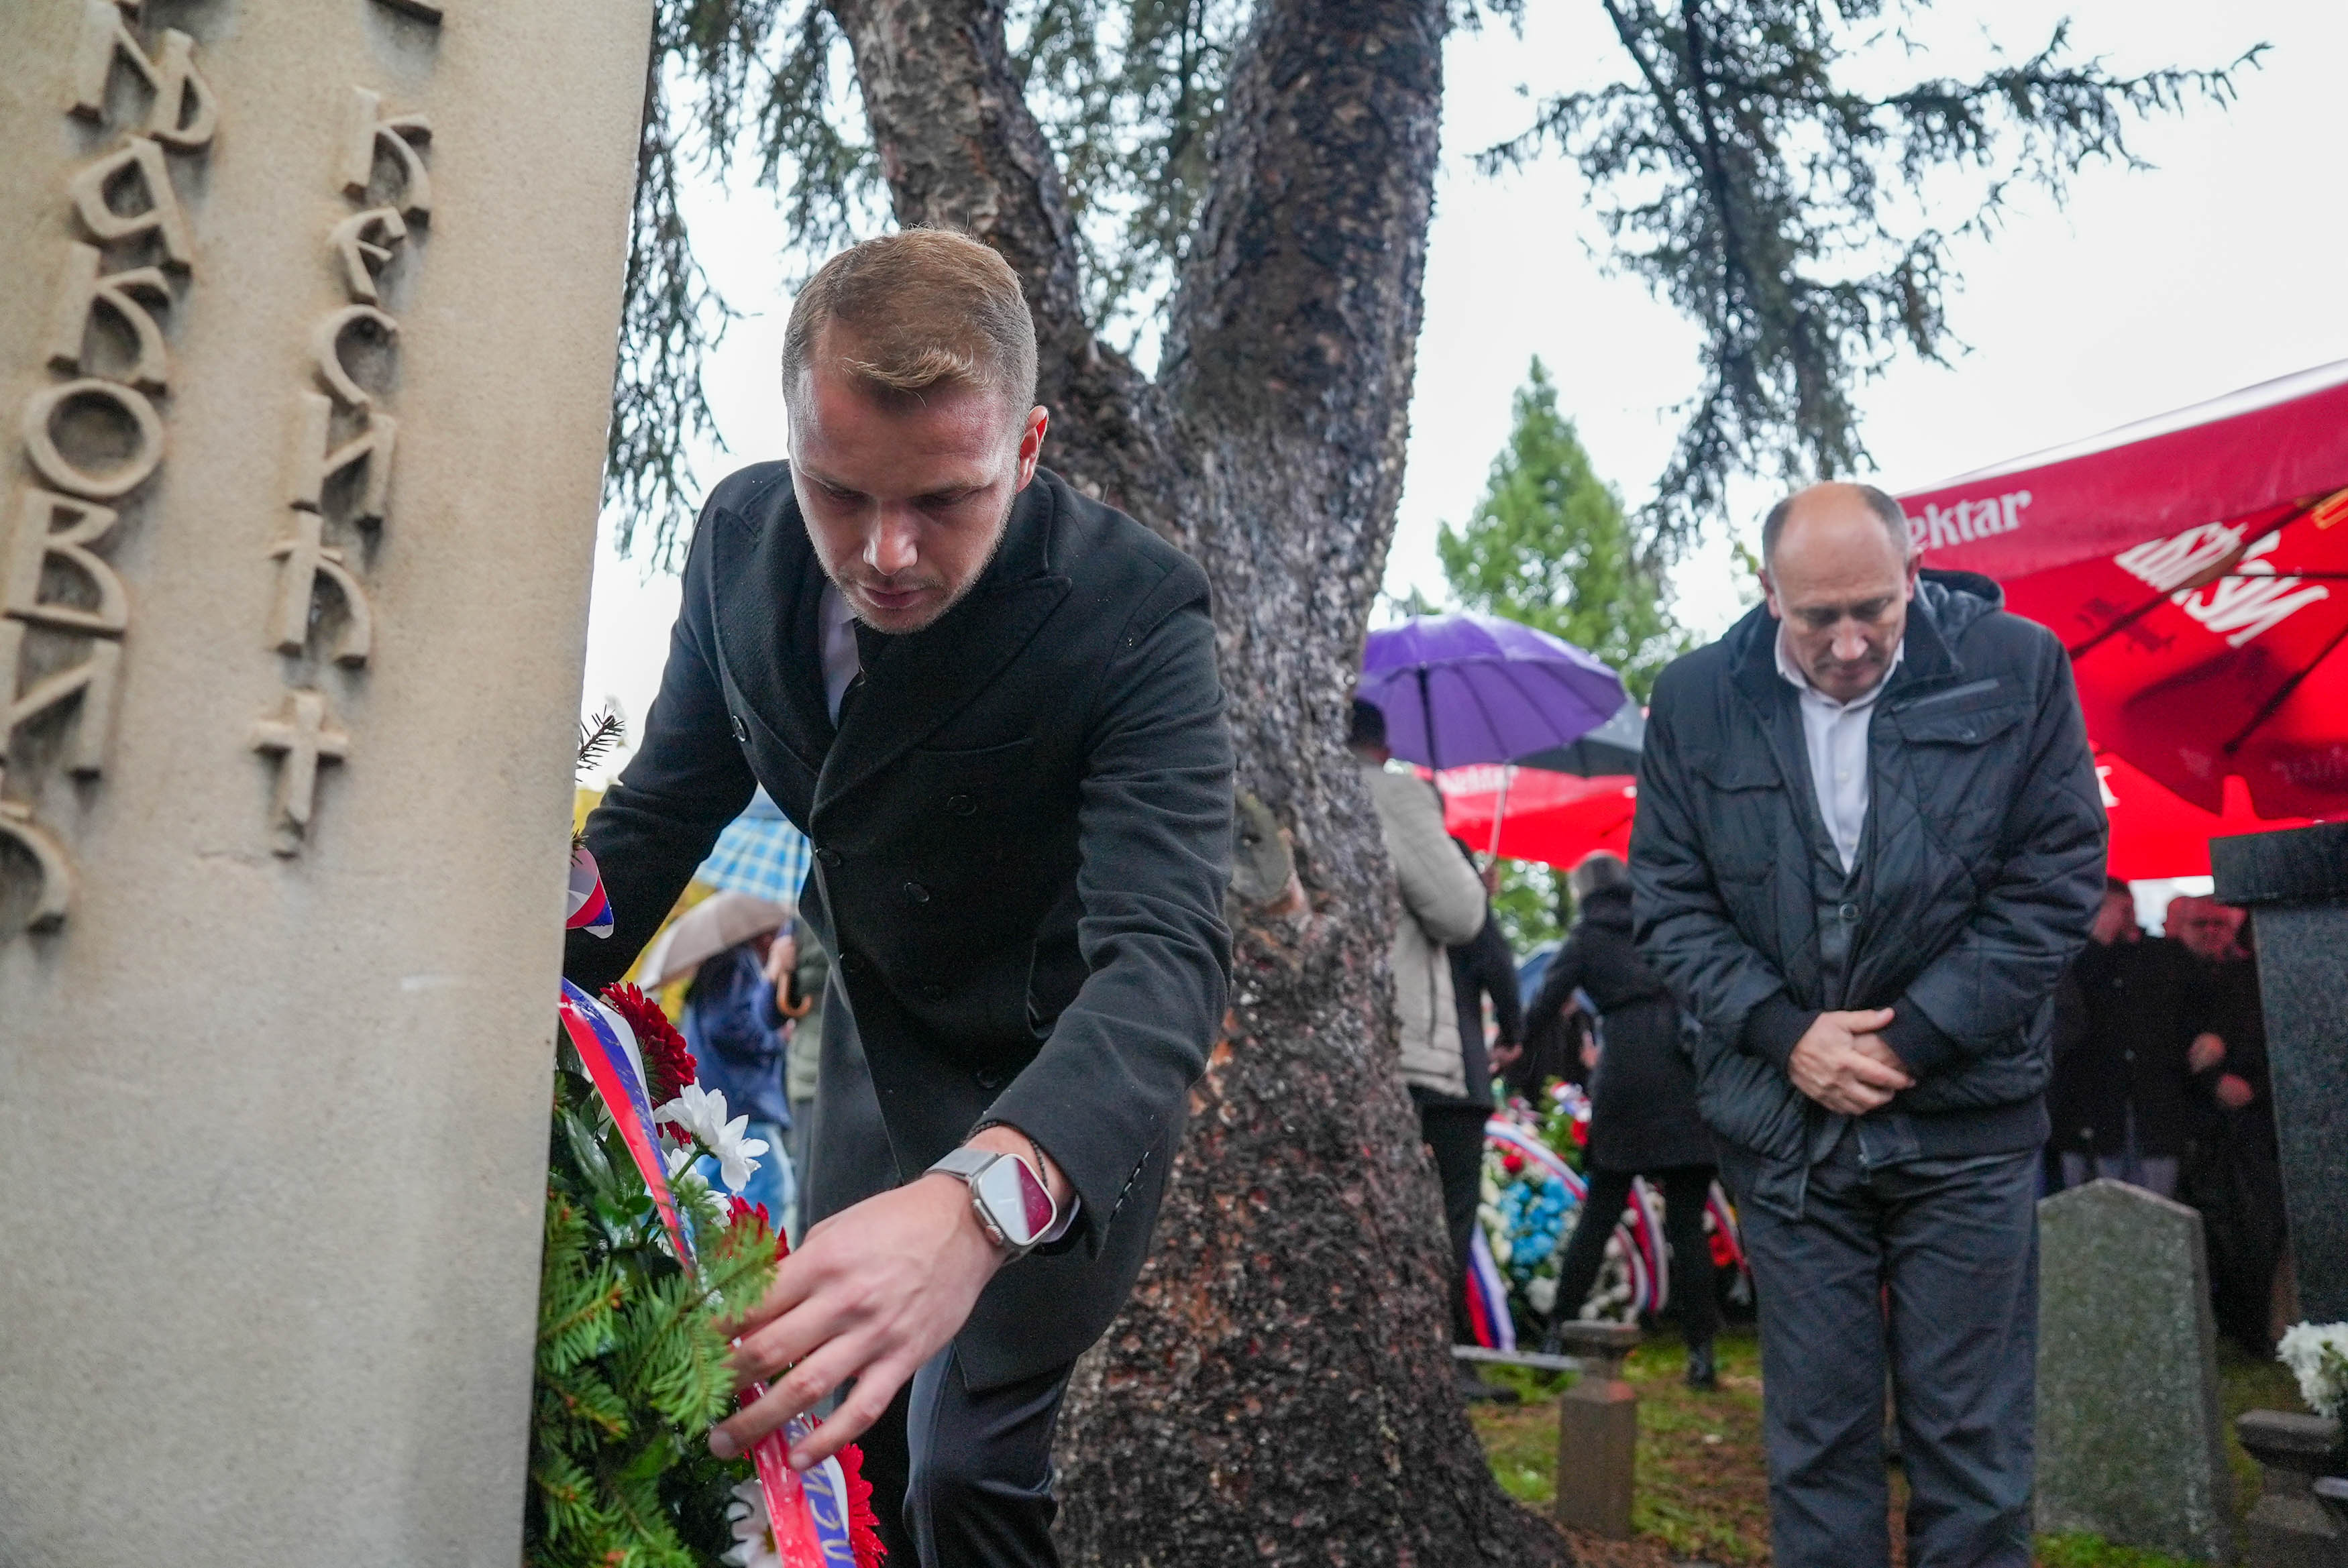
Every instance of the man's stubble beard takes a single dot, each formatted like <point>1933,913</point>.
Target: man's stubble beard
<point>986,563</point>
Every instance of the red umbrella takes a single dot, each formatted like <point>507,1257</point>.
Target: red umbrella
<point>1554,818</point>
<point>2155,832</point>
<point>2196,567</point>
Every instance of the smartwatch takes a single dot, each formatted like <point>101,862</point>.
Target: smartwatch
<point>1014,1207</point>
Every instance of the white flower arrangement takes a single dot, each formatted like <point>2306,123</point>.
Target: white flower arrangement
<point>700,1114</point>
<point>2318,1356</point>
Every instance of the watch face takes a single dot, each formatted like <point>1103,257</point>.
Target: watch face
<point>1016,1201</point>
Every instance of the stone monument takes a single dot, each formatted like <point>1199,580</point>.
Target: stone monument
<point>2131,1445</point>
<point>2295,884</point>
<point>306,349</point>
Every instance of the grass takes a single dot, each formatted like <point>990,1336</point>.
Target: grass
<point>1703,1488</point>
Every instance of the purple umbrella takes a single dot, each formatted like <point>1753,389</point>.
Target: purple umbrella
<point>1460,689</point>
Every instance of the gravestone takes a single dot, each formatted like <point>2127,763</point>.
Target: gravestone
<point>2131,1441</point>
<point>2295,885</point>
<point>307,344</point>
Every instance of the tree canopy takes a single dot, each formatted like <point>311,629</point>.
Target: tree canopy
<point>1549,546</point>
<point>1729,154</point>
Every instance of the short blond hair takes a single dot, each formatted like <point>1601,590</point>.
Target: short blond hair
<point>924,308</point>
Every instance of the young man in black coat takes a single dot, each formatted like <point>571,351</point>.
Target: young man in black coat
<point>992,705</point>
<point>1869,839</point>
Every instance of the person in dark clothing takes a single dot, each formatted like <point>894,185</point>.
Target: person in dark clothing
<point>733,1027</point>
<point>2127,1105</point>
<point>2233,1174</point>
<point>1642,1114</point>
<point>991,703</point>
<point>1480,967</point>
<point>1869,840</point>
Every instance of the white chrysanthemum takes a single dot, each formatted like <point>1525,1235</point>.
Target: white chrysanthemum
<point>701,1112</point>
<point>1542,1294</point>
<point>2318,1356</point>
<point>754,1531</point>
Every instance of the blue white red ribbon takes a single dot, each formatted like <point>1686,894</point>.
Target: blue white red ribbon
<point>607,1048</point>
<point>589,908</point>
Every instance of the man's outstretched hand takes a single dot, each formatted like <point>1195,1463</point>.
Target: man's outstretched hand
<point>871,1293</point>
<point>1842,1062</point>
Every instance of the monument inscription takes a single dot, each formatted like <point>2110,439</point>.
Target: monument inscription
<point>303,394</point>
<point>96,436</point>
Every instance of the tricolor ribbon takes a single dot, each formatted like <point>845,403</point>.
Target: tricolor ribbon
<point>809,1511</point>
<point>607,1047</point>
<point>589,908</point>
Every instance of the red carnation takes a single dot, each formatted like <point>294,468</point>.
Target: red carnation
<point>1512,1162</point>
<point>863,1529</point>
<point>668,1061</point>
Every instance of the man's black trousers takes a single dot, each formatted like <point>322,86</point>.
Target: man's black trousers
<point>962,1479</point>
<point>1686,1188</point>
<point>1453,1130</point>
<point>1929,1267</point>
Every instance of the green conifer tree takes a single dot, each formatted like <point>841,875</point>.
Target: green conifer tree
<point>1549,545</point>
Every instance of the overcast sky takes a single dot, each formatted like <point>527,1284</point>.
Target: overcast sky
<point>2221,267</point>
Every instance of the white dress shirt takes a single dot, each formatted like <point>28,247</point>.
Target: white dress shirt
<point>1836,737</point>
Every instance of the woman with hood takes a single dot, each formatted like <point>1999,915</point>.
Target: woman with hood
<point>1642,1117</point>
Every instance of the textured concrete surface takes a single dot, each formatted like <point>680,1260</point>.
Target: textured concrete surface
<point>273,1069</point>
<point>2130,1445</point>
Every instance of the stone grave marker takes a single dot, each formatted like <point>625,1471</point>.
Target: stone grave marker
<point>2130,1440</point>
<point>2295,885</point>
<point>306,346</point>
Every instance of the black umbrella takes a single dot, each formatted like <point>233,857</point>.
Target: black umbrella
<point>1612,748</point>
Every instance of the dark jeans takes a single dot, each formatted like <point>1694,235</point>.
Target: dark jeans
<point>1931,1268</point>
<point>1454,1131</point>
<point>1685,1189</point>
<point>962,1479</point>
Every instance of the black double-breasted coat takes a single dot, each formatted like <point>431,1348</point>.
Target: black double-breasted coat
<point>1023,834</point>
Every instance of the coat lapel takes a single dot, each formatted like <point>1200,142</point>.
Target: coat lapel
<point>768,628</point>
<point>928,676</point>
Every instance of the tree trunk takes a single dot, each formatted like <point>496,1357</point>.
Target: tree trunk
<point>1279,1388</point>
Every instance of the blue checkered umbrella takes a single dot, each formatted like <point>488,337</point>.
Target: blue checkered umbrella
<point>760,854</point>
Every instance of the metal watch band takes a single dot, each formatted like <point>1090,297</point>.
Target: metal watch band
<point>967,1164</point>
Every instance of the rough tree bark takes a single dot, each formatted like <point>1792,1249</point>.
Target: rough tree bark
<point>1279,1389</point>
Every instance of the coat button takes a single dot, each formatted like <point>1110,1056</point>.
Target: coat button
<point>1849,912</point>
<point>741,730</point>
<point>988,1081</point>
<point>829,856</point>
<point>917,893</point>
<point>962,806</point>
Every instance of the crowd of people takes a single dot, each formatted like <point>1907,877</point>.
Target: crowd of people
<point>2160,1079</point>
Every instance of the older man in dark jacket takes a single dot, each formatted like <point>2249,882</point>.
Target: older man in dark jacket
<point>1870,838</point>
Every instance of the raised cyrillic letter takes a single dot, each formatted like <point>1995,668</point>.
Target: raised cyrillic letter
<point>363,242</point>
<point>49,863</point>
<point>369,130</point>
<point>118,293</point>
<point>95,680</point>
<point>307,559</point>
<point>142,160</point>
<point>185,114</point>
<point>40,541</point>
<point>314,465</point>
<point>326,347</point>
<point>41,444</point>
